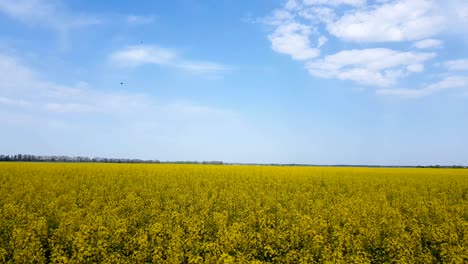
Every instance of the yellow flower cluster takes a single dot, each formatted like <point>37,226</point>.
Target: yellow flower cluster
<point>159,213</point>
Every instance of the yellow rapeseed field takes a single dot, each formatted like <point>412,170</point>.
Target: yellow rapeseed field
<point>137,213</point>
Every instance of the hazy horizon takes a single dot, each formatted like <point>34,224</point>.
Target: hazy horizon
<point>376,82</point>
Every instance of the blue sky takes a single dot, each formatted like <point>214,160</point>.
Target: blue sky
<point>305,81</point>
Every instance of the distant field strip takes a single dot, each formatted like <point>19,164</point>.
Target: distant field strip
<point>124,213</point>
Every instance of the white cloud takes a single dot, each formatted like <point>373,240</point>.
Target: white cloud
<point>378,21</point>
<point>456,13</point>
<point>134,56</point>
<point>395,21</point>
<point>278,17</point>
<point>415,68</point>
<point>291,5</point>
<point>47,13</point>
<point>293,39</point>
<point>140,20</point>
<point>203,67</point>
<point>403,92</point>
<point>321,41</point>
<point>305,29</point>
<point>317,15</point>
<point>457,65</point>
<point>335,2</point>
<point>428,44</point>
<point>70,107</point>
<point>451,82</point>
<point>51,15</point>
<point>380,67</point>
<point>12,102</point>
<point>29,10</point>
<point>143,54</point>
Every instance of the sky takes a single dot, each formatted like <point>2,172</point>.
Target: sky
<point>377,82</point>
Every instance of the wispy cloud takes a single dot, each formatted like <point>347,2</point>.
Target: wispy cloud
<point>12,102</point>
<point>49,14</point>
<point>134,56</point>
<point>428,44</point>
<point>24,88</point>
<point>448,83</point>
<point>70,107</point>
<point>457,65</point>
<point>55,15</point>
<point>203,67</point>
<point>140,19</point>
<point>46,13</point>
<point>112,122</point>
<point>335,2</point>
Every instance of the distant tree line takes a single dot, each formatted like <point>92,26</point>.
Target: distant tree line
<point>441,166</point>
<point>42,158</point>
